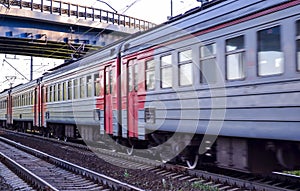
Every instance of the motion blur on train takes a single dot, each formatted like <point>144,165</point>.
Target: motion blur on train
<point>219,84</point>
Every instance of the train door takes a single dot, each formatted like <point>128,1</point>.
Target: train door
<point>108,100</point>
<point>132,98</point>
<point>36,121</point>
<point>38,106</point>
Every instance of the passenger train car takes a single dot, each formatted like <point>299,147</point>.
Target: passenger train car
<point>218,84</point>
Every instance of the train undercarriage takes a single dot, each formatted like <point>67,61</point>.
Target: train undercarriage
<point>241,154</point>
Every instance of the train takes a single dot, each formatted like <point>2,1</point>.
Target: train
<point>218,84</point>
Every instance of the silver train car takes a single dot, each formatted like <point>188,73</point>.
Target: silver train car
<point>218,84</point>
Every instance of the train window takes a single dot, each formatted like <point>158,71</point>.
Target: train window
<point>75,89</point>
<point>150,75</point>
<point>109,81</point>
<point>136,77</point>
<point>298,54</point>
<point>22,100</point>
<point>89,83</point>
<point>208,65</point>
<point>270,56</point>
<point>81,87</point>
<point>31,98</point>
<point>50,94</point>
<point>96,85</point>
<point>166,71</point>
<point>130,78</point>
<point>69,90</point>
<point>112,80</point>
<point>59,92</point>
<point>235,58</point>
<point>26,99</point>
<point>65,91</point>
<point>46,94</point>
<point>54,93</point>
<point>298,45</point>
<point>185,68</point>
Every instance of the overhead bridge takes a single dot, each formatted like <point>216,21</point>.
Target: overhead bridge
<point>56,29</point>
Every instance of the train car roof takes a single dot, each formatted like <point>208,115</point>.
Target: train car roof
<point>197,19</point>
<point>70,64</point>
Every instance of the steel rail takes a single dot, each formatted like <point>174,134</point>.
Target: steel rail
<point>103,179</point>
<point>37,181</point>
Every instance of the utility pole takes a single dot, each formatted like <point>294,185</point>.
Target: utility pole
<point>171,8</point>
<point>31,68</point>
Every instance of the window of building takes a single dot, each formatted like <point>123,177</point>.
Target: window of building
<point>208,65</point>
<point>75,88</point>
<point>96,85</point>
<point>270,55</point>
<point>185,68</point>
<point>150,75</point>
<point>89,88</point>
<point>235,58</point>
<point>298,44</point>
<point>166,71</point>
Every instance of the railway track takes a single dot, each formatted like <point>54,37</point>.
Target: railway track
<point>46,172</point>
<point>12,181</point>
<point>195,179</point>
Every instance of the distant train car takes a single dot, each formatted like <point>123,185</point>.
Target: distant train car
<point>4,108</point>
<point>74,98</point>
<point>24,108</point>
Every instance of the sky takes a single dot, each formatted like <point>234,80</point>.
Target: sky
<point>156,11</point>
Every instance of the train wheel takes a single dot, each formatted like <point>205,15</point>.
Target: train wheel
<point>192,163</point>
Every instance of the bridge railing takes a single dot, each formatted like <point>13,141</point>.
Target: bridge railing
<point>74,10</point>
